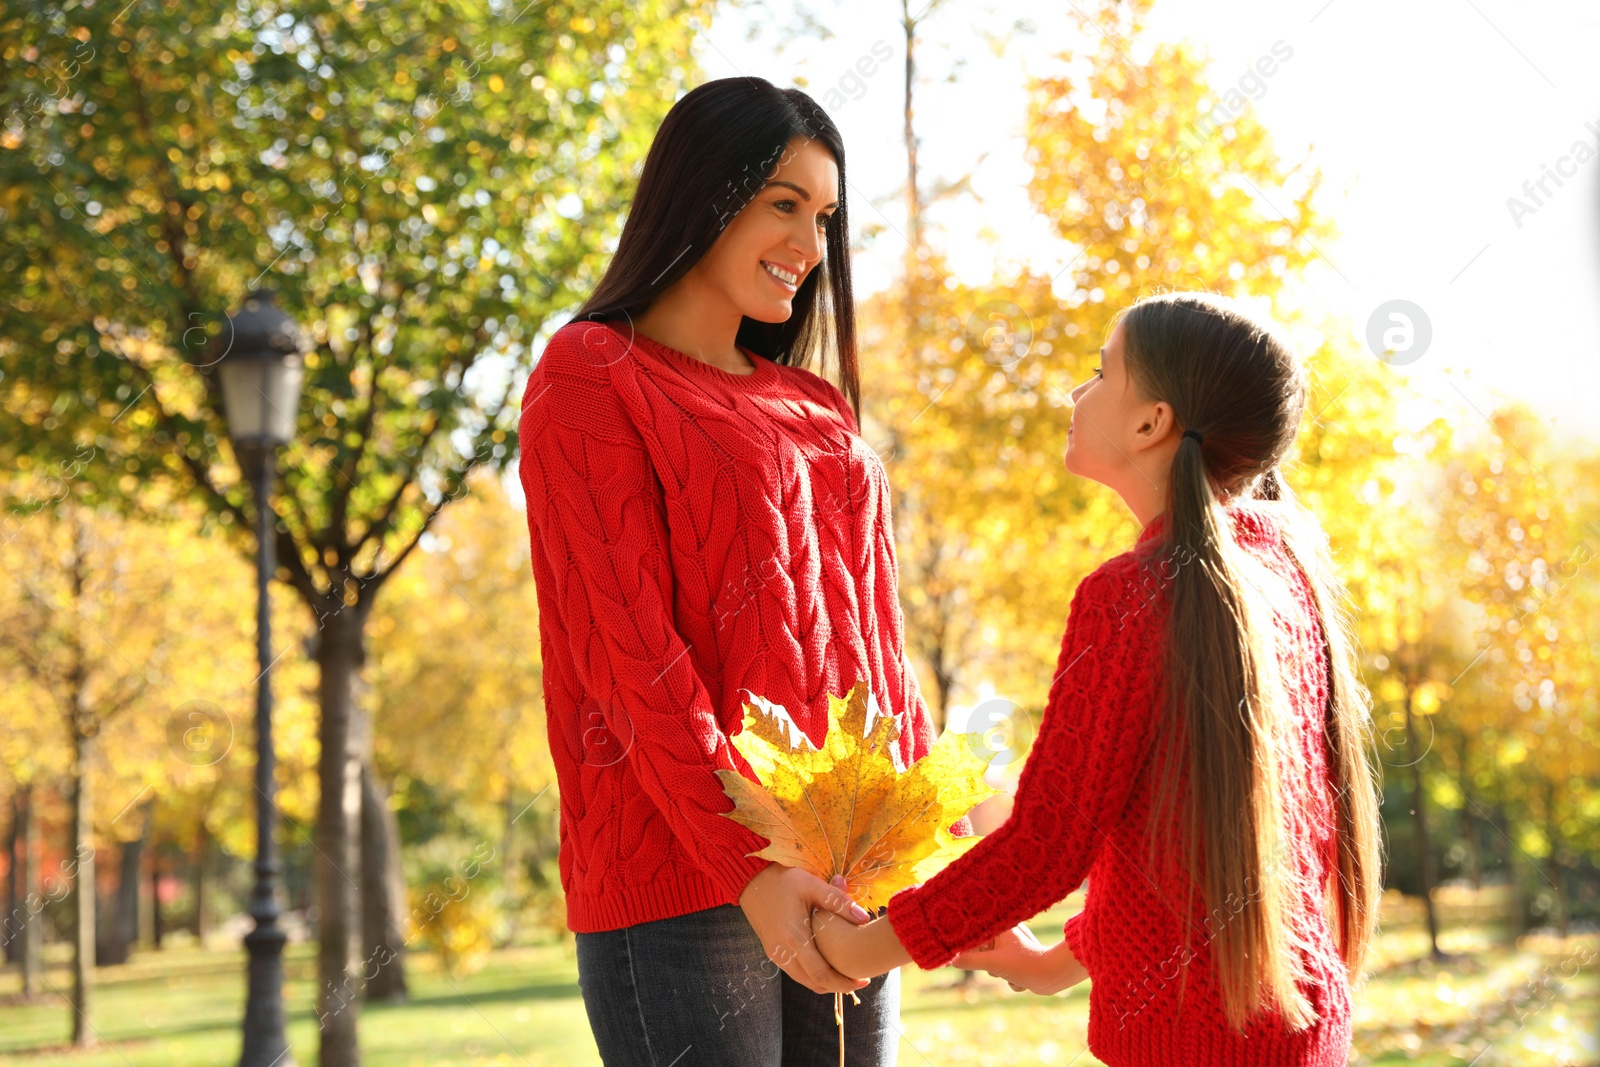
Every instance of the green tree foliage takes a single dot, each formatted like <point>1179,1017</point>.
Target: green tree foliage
<point>426,185</point>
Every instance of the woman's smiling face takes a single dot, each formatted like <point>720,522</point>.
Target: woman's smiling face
<point>761,258</point>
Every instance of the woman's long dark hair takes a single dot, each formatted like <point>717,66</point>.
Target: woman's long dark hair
<point>714,151</point>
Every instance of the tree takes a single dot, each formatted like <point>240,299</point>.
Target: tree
<point>92,619</point>
<point>1368,479</point>
<point>426,186</point>
<point>1522,512</point>
<point>1425,644</point>
<point>458,685</point>
<point>473,734</point>
<point>34,755</point>
<point>974,380</point>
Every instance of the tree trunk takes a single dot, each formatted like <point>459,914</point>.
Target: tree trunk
<point>1507,854</point>
<point>508,873</point>
<point>1469,825</point>
<point>156,931</point>
<point>913,193</point>
<point>30,941</point>
<point>14,911</point>
<point>1419,803</point>
<point>197,866</point>
<point>383,891</point>
<point>83,1032</point>
<point>339,658</point>
<point>939,708</point>
<point>130,892</point>
<point>1553,869</point>
<point>120,926</point>
<point>145,924</point>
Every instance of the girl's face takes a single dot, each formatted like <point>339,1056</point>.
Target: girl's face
<point>1119,437</point>
<point>1099,413</point>
<point>761,257</point>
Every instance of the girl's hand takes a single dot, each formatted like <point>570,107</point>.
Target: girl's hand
<point>838,943</point>
<point>1025,964</point>
<point>778,902</point>
<point>1012,956</point>
<point>864,951</point>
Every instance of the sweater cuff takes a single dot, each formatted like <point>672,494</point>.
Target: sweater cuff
<point>1072,934</point>
<point>911,926</point>
<point>732,872</point>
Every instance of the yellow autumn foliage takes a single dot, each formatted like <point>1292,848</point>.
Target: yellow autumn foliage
<point>847,808</point>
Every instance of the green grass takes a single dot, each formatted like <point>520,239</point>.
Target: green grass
<point>182,1006</point>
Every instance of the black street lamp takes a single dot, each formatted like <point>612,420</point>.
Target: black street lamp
<point>261,368</point>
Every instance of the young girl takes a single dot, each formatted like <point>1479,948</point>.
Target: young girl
<point>1202,758</point>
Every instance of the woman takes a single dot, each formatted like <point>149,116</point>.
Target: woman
<point>707,525</point>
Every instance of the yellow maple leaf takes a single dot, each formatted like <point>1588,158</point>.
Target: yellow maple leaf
<point>847,808</point>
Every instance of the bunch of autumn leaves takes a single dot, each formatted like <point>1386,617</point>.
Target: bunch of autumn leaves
<point>847,808</point>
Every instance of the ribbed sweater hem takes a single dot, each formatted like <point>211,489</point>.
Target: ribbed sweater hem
<point>679,891</point>
<point>1151,1041</point>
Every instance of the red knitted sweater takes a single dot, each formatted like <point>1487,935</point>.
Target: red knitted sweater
<point>697,536</point>
<point>1082,807</point>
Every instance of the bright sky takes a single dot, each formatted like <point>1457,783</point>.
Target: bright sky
<point>1425,117</point>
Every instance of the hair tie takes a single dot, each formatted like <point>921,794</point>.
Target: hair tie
<point>1199,440</point>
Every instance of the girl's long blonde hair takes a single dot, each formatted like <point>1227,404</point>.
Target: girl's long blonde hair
<point>1242,388</point>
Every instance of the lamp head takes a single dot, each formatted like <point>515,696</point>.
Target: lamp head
<point>262,365</point>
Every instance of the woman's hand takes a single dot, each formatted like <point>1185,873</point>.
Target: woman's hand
<point>778,902</point>
<point>1019,958</point>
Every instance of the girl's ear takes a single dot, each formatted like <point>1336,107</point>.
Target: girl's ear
<point>1157,422</point>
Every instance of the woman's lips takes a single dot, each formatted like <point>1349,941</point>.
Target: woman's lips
<point>786,286</point>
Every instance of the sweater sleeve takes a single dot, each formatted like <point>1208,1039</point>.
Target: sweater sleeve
<point>596,512</point>
<point>1072,790</point>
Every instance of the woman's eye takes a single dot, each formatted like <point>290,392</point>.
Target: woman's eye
<point>1097,372</point>
<point>788,206</point>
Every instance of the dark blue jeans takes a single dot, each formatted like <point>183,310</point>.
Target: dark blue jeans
<point>697,990</point>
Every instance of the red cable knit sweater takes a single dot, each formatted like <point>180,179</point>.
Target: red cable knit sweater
<point>1082,806</point>
<point>696,534</point>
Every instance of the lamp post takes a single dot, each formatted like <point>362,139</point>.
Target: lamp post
<point>261,370</point>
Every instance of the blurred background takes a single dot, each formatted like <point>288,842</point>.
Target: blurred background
<point>429,190</point>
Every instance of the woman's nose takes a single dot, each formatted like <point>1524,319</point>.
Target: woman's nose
<point>809,242</point>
